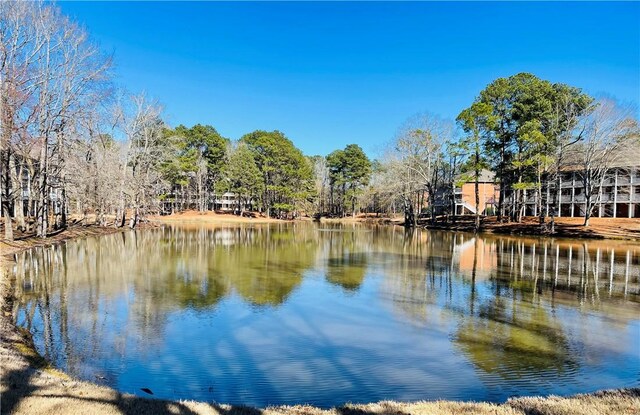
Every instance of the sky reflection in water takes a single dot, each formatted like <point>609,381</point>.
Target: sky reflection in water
<point>288,314</point>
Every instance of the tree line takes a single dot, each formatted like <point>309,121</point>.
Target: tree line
<point>71,141</point>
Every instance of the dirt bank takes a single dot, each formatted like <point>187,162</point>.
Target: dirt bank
<point>599,228</point>
<point>30,386</point>
<point>213,218</point>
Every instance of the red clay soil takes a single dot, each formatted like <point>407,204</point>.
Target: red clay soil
<point>599,228</point>
<point>192,216</point>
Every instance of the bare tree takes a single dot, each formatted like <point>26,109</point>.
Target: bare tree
<point>140,181</point>
<point>567,130</point>
<point>610,136</point>
<point>20,42</point>
<point>48,72</point>
<point>419,146</point>
<point>321,175</point>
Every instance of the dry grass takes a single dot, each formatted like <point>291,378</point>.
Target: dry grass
<point>621,402</point>
<point>30,386</point>
<point>191,216</point>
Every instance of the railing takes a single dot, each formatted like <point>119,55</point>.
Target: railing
<point>472,209</point>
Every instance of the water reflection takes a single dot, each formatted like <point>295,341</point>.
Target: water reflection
<point>296,313</point>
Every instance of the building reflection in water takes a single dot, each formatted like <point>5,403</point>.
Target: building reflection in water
<point>510,306</point>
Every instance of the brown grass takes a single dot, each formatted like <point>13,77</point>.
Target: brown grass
<point>29,385</point>
<point>192,216</point>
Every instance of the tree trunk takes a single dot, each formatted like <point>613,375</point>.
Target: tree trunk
<point>42,219</point>
<point>501,196</point>
<point>18,213</point>
<point>476,226</point>
<point>432,201</point>
<point>5,139</point>
<point>63,207</point>
<point>18,206</point>
<point>541,210</point>
<point>134,219</point>
<point>409,217</point>
<point>8,225</point>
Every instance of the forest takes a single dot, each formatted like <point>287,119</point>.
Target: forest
<point>72,141</point>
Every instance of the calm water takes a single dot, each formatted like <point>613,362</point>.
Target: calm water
<point>313,314</point>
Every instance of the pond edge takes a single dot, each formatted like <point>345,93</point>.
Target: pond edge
<point>30,384</point>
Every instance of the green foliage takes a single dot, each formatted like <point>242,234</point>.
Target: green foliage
<point>349,171</point>
<point>243,176</point>
<point>200,143</point>
<point>287,175</point>
<point>193,152</point>
<point>523,121</point>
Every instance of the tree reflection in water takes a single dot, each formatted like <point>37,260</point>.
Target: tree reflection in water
<point>512,307</point>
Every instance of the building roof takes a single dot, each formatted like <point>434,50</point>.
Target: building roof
<point>486,176</point>
<point>625,156</point>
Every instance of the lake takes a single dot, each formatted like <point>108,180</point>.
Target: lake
<point>320,314</point>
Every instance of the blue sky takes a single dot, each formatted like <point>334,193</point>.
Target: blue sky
<point>329,74</point>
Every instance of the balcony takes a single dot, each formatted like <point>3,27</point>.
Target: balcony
<point>622,180</point>
<point>623,197</point>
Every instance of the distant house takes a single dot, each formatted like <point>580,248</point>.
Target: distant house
<point>228,201</point>
<point>28,168</point>
<point>464,195</point>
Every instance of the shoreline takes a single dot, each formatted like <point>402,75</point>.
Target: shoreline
<point>600,228</point>
<point>213,218</point>
<point>31,385</point>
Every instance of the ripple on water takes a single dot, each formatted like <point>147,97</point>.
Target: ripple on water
<point>273,315</point>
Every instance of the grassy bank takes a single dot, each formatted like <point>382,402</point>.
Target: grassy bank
<point>30,386</point>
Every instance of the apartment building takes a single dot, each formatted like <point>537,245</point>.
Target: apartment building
<point>228,201</point>
<point>619,197</point>
<point>464,195</point>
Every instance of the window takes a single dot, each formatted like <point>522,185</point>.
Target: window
<point>567,177</point>
<point>637,190</point>
<point>566,192</point>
